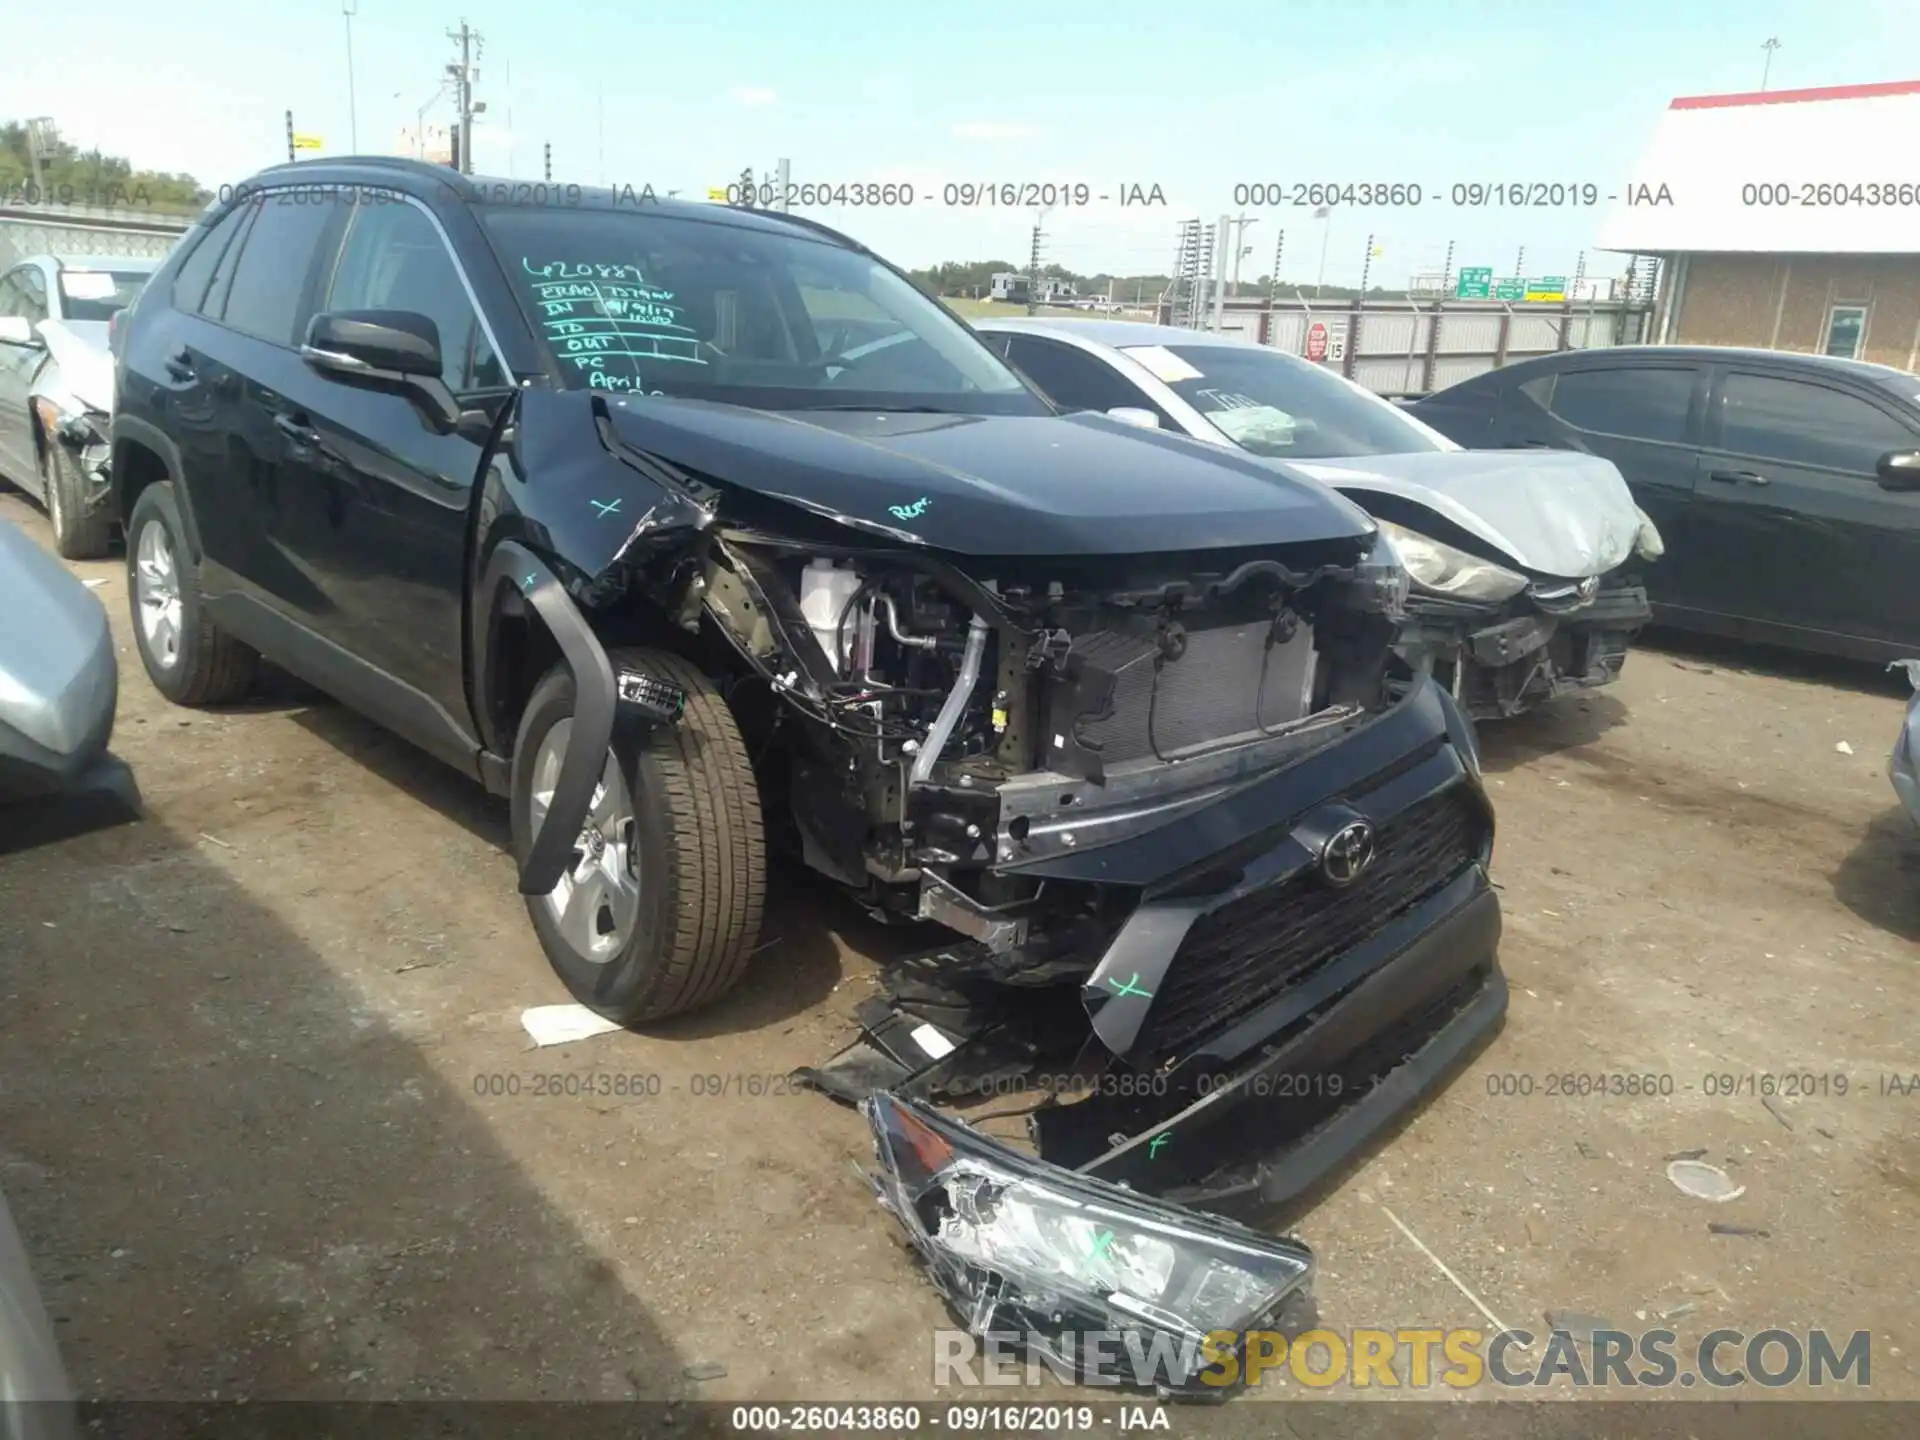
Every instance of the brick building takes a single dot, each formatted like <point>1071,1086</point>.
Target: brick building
<point>1788,219</point>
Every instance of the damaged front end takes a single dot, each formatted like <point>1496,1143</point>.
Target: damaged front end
<point>1503,641</point>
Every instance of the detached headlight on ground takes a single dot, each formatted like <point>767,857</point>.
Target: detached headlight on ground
<point>1443,570</point>
<point>1048,1259</point>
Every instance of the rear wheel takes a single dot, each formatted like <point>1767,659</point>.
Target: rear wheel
<point>190,660</point>
<point>78,533</point>
<point>660,905</point>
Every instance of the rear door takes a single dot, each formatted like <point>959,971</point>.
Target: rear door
<point>237,362</point>
<point>1790,525</point>
<point>1645,418</point>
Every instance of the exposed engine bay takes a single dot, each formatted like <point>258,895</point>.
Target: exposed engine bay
<point>941,728</point>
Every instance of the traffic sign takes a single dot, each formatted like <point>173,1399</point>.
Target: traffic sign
<point>308,142</point>
<point>1547,287</point>
<point>1475,280</point>
<point>1509,289</point>
<point>1316,342</point>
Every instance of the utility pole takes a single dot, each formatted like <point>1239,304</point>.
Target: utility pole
<point>40,137</point>
<point>746,188</point>
<point>350,8</point>
<point>291,156</point>
<point>1446,272</point>
<point>546,159</point>
<point>1033,266</point>
<point>1240,248</point>
<point>1366,268</point>
<point>782,170</point>
<point>1273,279</point>
<point>1772,44</point>
<point>1325,216</point>
<point>463,73</point>
<point>1227,236</point>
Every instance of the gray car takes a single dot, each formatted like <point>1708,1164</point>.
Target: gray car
<point>1520,561</point>
<point>56,387</point>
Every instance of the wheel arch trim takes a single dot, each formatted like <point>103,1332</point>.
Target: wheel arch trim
<point>594,704</point>
<point>130,429</point>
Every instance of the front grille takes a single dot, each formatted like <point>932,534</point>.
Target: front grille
<point>1241,956</point>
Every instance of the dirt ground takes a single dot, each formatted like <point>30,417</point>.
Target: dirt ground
<point>247,1043</point>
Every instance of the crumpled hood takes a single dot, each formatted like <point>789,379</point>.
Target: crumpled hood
<point>79,348</point>
<point>995,485</point>
<point>1552,513</point>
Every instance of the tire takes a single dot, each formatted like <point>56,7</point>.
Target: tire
<point>694,848</point>
<point>78,533</point>
<point>203,665</point>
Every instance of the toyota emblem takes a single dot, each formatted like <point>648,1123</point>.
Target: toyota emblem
<point>1347,853</point>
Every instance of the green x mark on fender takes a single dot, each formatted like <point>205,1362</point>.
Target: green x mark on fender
<point>1131,987</point>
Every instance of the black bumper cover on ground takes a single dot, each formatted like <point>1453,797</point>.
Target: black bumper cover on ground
<point>1306,1061</point>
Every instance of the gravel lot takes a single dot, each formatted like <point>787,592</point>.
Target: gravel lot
<point>244,1036</point>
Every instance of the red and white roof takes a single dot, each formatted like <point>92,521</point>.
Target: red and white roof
<point>1826,171</point>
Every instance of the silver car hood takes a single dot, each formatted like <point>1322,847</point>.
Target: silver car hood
<point>79,348</point>
<point>1549,512</point>
<point>57,666</point>
<point>1904,768</point>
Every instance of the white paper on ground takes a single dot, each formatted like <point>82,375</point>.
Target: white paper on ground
<point>562,1024</point>
<point>932,1041</point>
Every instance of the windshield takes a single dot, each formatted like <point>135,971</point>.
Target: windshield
<point>1284,408</point>
<point>96,294</point>
<point>663,305</point>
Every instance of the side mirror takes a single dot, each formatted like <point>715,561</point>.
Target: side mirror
<point>18,330</point>
<point>1899,470</point>
<point>1133,415</point>
<point>393,350</point>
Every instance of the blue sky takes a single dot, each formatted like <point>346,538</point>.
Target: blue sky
<point>1194,99</point>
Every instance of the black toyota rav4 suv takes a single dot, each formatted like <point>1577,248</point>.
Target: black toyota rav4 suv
<point>696,531</point>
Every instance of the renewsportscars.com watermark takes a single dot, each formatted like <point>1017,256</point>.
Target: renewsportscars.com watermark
<point>1414,1359</point>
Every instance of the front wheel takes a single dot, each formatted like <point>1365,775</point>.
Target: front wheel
<point>660,905</point>
<point>79,533</point>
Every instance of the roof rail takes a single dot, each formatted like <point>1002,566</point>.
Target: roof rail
<point>426,169</point>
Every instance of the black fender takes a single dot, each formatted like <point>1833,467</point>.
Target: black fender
<point>594,705</point>
<point>152,437</point>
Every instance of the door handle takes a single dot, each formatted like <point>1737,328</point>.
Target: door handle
<point>300,434</point>
<point>1738,477</point>
<point>180,366</point>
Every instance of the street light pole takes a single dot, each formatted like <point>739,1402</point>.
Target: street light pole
<point>348,9</point>
<point>1325,216</point>
<point>1772,44</point>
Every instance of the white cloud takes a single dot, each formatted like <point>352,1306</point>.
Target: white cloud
<point>993,130</point>
<point>755,95</point>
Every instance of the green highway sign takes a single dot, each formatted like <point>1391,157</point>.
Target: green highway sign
<point>1509,289</point>
<point>1547,287</point>
<point>1474,283</point>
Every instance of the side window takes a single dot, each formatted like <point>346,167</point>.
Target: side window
<point>276,258</point>
<point>1073,379</point>
<point>1643,403</point>
<point>1804,424</point>
<point>394,259</point>
<point>33,290</point>
<point>195,275</point>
